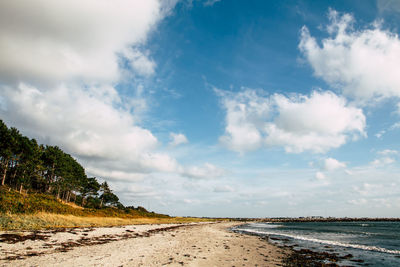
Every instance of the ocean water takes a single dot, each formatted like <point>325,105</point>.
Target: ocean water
<point>376,243</point>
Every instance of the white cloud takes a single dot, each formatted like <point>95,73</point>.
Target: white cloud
<point>246,113</point>
<point>190,201</point>
<point>361,201</point>
<point>380,134</point>
<point>223,189</point>
<point>383,161</point>
<point>60,63</point>
<point>316,123</point>
<point>86,124</point>
<point>388,5</point>
<point>362,63</point>
<point>331,164</point>
<point>395,126</point>
<point>386,157</point>
<point>210,2</point>
<point>49,41</point>
<point>208,171</point>
<point>368,189</point>
<point>140,62</point>
<point>320,175</point>
<point>177,139</point>
<point>386,152</point>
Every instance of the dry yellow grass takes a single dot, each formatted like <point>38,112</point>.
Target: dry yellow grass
<point>71,204</point>
<point>44,220</point>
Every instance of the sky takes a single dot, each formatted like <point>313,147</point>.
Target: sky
<point>220,108</point>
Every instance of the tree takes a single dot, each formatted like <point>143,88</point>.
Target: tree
<point>24,164</point>
<point>51,157</point>
<point>5,150</point>
<point>89,188</point>
<point>107,196</point>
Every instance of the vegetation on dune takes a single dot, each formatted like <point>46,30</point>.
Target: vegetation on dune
<point>27,166</point>
<point>13,202</point>
<point>38,211</point>
<point>44,179</point>
<point>43,220</point>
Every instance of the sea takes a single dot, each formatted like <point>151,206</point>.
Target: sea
<point>375,243</point>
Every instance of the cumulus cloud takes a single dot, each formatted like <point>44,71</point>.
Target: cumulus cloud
<point>362,63</point>
<point>50,41</point>
<point>87,126</point>
<point>320,175</point>
<point>385,157</point>
<point>60,63</point>
<point>318,122</point>
<point>315,123</point>
<point>331,164</point>
<point>246,113</point>
<point>395,126</point>
<point>208,171</point>
<point>177,139</point>
<point>140,62</point>
<point>383,161</point>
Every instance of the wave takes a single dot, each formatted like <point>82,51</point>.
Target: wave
<point>326,242</point>
<point>265,225</point>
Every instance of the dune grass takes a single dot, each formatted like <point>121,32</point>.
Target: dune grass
<point>13,202</point>
<point>43,220</point>
<point>40,211</point>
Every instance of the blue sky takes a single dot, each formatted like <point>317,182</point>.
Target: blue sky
<point>215,108</point>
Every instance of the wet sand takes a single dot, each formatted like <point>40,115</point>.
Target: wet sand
<point>197,244</point>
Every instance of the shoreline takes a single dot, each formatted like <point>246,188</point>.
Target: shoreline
<point>322,254</point>
<point>194,244</point>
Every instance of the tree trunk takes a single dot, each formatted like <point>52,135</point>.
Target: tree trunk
<point>52,173</point>
<point>3,180</point>
<point>51,179</point>
<point>14,174</point>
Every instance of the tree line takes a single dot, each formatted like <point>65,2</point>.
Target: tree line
<point>28,166</point>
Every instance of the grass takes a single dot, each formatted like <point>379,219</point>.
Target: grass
<point>40,211</point>
<point>13,202</point>
<point>43,220</point>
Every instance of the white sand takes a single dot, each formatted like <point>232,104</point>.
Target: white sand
<point>198,244</point>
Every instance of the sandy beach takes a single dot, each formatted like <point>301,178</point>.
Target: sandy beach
<point>196,244</point>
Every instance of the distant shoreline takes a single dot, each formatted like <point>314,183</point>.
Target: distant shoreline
<point>329,219</point>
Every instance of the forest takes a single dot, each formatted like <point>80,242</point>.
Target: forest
<point>29,167</point>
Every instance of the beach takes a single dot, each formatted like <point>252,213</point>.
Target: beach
<point>194,244</point>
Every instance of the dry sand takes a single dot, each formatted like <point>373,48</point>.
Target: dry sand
<point>196,244</point>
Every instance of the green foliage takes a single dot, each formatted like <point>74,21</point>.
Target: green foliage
<point>107,196</point>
